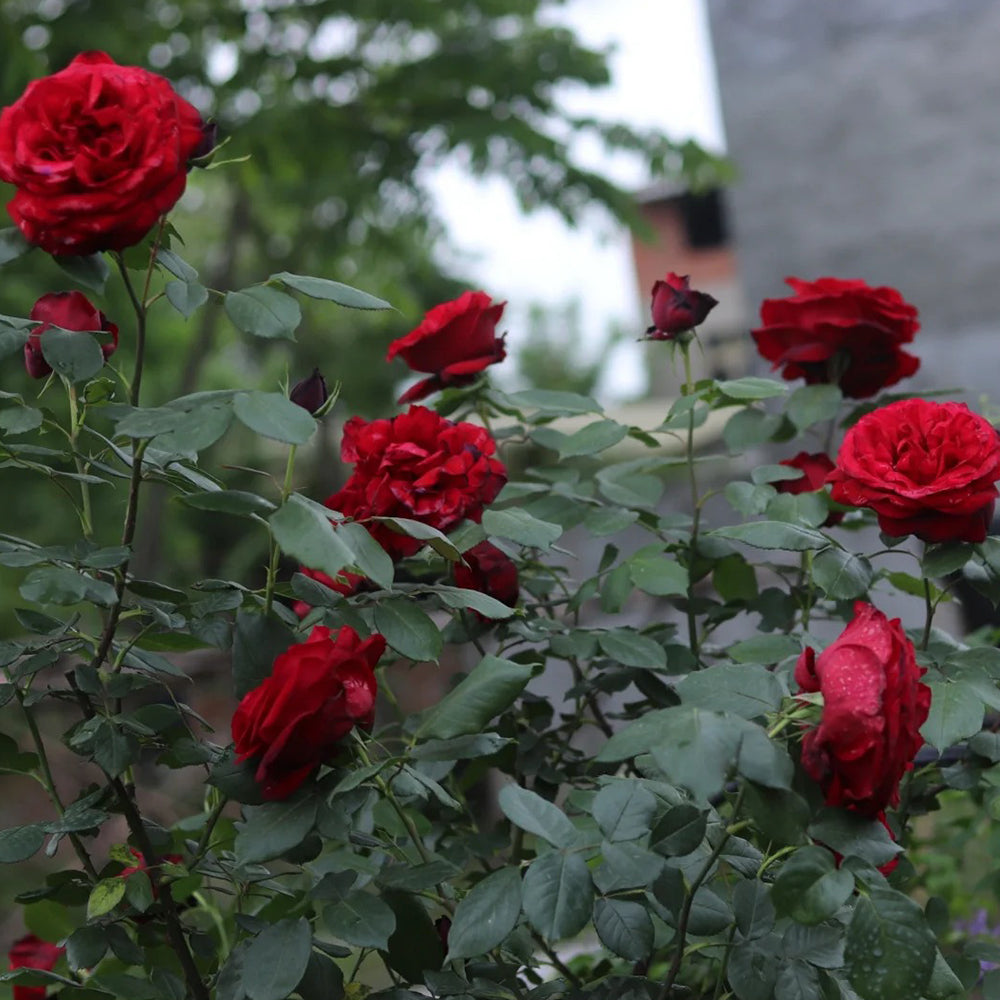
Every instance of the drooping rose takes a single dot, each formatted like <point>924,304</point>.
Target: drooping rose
<point>840,332</point>
<point>489,571</point>
<point>31,952</point>
<point>310,393</point>
<point>347,583</point>
<point>677,307</point>
<point>455,341</point>
<point>70,311</point>
<point>97,152</point>
<point>295,720</point>
<point>874,704</point>
<point>926,469</point>
<point>815,468</point>
<point>417,465</point>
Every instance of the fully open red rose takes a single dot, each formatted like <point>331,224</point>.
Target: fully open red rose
<point>455,341</point>
<point>32,952</point>
<point>318,691</point>
<point>874,704</point>
<point>97,152</point>
<point>842,332</point>
<point>417,465</point>
<point>489,571</point>
<point>677,307</point>
<point>814,468</point>
<point>926,469</point>
<point>70,311</point>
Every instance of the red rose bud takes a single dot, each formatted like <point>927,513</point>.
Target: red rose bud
<point>310,393</point>
<point>420,466</point>
<point>295,720</point>
<point>874,704</point>
<point>840,332</point>
<point>32,952</point>
<point>97,153</point>
<point>455,341</point>
<point>677,308</point>
<point>814,468</point>
<point>489,571</point>
<point>926,469</point>
<point>70,311</point>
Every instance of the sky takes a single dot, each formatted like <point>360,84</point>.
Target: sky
<point>662,76</point>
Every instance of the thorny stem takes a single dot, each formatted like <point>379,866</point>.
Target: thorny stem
<point>568,974</point>
<point>86,513</point>
<point>929,614</point>
<point>273,563</point>
<point>686,389</point>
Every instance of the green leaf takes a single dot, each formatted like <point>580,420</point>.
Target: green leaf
<point>765,649</point>
<point>956,713</point>
<point>773,535</point>
<point>658,574</point>
<point>624,928</point>
<point>105,896</point>
<point>680,831</point>
<point>12,339</point>
<point>186,296</point>
<point>270,830</point>
<point>521,527</point>
<point>810,888</point>
<point>624,810</point>
<point>230,502</point>
<point>415,944</point>
<point>438,541</point>
<point>752,387</point>
<point>601,521</point>
<point>323,980</point>
<point>636,738</point>
<point>20,419</point>
<point>534,814</point>
<point>367,555</point>
<point>75,355</point>
<point>91,271</point>
<point>748,428</point>
<point>485,917</point>
<point>18,843</point>
<point>63,586</point>
<point>408,629</point>
<point>557,895</point>
<point>753,908</point>
<point>461,747</point>
<point>735,579</point>
<point>748,690</point>
<point>810,404</point>
<point>361,919</point>
<point>274,416</point>
<point>264,312</point>
<point>177,266</point>
<point>554,402</point>
<point>797,980</point>
<point>276,959</point>
<point>13,245</point>
<point>849,834</point>
<point>593,438</point>
<point>632,649</point>
<point>332,291</point>
<point>257,641</point>
<point>889,949</point>
<point>305,533</point>
<point>841,574</point>
<point>86,946</point>
<point>941,560</point>
<point>491,688</point>
<point>474,600</point>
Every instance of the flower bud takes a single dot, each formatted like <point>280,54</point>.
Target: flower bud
<point>677,307</point>
<point>310,393</point>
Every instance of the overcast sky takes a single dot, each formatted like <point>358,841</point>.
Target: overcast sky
<point>662,76</point>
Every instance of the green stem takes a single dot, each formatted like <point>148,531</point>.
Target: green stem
<point>275,558</point>
<point>86,513</point>
<point>928,614</point>
<point>686,389</point>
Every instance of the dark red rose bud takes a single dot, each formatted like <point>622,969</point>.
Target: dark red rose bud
<point>32,952</point>
<point>209,140</point>
<point>814,468</point>
<point>70,311</point>
<point>443,926</point>
<point>310,393</point>
<point>677,307</point>
<point>489,571</point>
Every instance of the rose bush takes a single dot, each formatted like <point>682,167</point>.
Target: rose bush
<point>97,152</point>
<point>68,311</point>
<point>841,332</point>
<point>926,469</point>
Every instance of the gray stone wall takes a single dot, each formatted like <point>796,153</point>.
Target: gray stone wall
<point>867,135</point>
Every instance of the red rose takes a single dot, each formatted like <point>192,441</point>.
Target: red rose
<point>874,704</point>
<point>455,341</point>
<point>676,307</point>
<point>97,152</point>
<point>310,393</point>
<point>70,311</point>
<point>346,583</point>
<point>420,466</point>
<point>32,952</point>
<point>926,469</point>
<point>489,571</point>
<point>814,468</point>
<point>318,691</point>
<point>842,332</point>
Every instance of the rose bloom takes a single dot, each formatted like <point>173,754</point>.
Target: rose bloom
<point>841,332</point>
<point>420,466</point>
<point>814,468</point>
<point>346,584</point>
<point>70,311</point>
<point>874,704</point>
<point>32,952</point>
<point>318,691</point>
<point>455,341</point>
<point>926,469</point>
<point>489,571</point>
<point>677,307</point>
<point>97,152</point>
